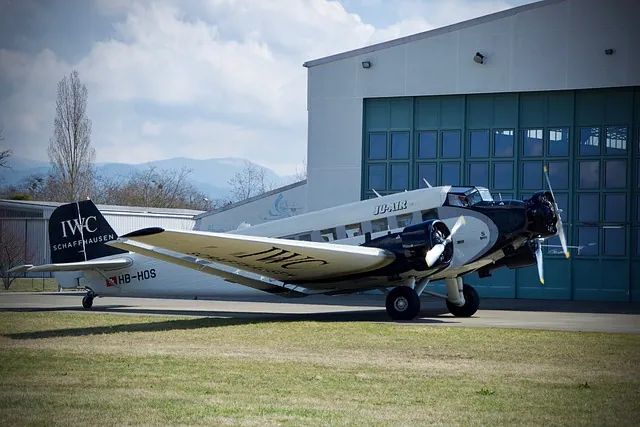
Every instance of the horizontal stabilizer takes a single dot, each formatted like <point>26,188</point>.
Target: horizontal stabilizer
<point>73,266</point>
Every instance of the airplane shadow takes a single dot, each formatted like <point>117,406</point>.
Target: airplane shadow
<point>205,319</point>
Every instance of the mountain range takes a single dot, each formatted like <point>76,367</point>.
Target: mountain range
<point>210,176</point>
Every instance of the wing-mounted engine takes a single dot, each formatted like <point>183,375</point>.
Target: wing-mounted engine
<point>427,244</point>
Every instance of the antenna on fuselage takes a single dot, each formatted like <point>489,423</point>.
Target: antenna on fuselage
<point>427,182</point>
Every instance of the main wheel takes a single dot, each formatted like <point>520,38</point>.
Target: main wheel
<point>87,302</point>
<point>471,303</point>
<point>403,303</point>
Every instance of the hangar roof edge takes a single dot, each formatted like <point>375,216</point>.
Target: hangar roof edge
<point>105,208</point>
<point>430,33</point>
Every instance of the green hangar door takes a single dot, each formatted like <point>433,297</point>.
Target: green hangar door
<point>589,141</point>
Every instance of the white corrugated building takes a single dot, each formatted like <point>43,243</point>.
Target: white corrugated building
<point>30,220</point>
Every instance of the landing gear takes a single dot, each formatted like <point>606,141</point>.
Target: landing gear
<point>87,300</point>
<point>471,303</point>
<point>403,303</point>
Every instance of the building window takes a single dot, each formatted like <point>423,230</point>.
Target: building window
<point>559,142</point>
<point>615,207</point>
<point>616,142</point>
<point>450,144</point>
<point>615,173</point>
<point>377,177</point>
<point>503,143</point>
<point>426,171</point>
<point>427,144</point>
<point>532,142</point>
<point>559,175</point>
<point>450,174</point>
<point>589,141</point>
<point>588,207</point>
<point>615,241</point>
<point>588,240</point>
<point>532,175</point>
<point>479,143</point>
<point>479,174</point>
<point>589,174</point>
<point>305,237</point>
<point>399,176</point>
<point>400,145</point>
<point>503,176</point>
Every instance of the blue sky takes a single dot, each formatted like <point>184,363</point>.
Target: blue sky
<point>190,78</point>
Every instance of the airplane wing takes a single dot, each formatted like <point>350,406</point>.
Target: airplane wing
<point>278,259</point>
<point>73,266</point>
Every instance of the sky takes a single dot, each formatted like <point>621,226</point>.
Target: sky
<point>190,78</point>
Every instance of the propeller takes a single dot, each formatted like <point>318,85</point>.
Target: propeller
<point>539,261</point>
<point>434,253</point>
<point>563,239</point>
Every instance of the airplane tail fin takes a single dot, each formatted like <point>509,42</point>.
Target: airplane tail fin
<point>78,232</point>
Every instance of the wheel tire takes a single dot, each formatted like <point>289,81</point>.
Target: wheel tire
<point>403,303</point>
<point>87,302</point>
<point>471,303</point>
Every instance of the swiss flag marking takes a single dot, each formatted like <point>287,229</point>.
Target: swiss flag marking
<point>113,280</point>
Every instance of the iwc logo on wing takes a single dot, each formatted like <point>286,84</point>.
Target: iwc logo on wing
<point>390,207</point>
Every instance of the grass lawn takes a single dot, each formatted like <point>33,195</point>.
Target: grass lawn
<point>32,285</point>
<point>108,369</point>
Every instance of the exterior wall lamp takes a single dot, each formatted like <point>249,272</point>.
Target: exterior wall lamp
<point>479,58</point>
<point>366,64</point>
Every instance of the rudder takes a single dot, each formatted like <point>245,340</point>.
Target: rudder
<point>78,232</point>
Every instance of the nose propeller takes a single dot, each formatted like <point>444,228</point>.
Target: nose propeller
<point>563,239</point>
<point>434,253</point>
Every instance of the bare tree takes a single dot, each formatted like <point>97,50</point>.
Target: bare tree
<point>301,175</point>
<point>70,148</point>
<point>249,182</point>
<point>13,251</point>
<point>153,188</point>
<point>4,154</point>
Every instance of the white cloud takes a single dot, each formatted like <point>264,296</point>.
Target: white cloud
<point>213,78</point>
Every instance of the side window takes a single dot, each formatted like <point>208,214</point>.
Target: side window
<point>379,225</point>
<point>329,235</point>
<point>404,220</point>
<point>305,237</point>
<point>353,230</point>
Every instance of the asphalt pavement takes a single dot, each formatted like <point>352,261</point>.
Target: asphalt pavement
<point>504,313</point>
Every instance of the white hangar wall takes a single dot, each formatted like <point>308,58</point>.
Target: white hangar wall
<point>549,45</point>
<point>280,203</point>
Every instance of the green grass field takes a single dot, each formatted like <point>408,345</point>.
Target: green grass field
<point>107,369</point>
<point>32,285</point>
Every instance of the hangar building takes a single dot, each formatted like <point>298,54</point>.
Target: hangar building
<point>488,102</point>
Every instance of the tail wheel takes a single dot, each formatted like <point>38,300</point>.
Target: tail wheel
<point>471,303</point>
<point>403,303</point>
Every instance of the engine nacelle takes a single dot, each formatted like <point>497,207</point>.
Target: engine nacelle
<point>418,239</point>
<point>541,214</point>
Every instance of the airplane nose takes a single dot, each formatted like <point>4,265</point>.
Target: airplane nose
<point>542,214</point>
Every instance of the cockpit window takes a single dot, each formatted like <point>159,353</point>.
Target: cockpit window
<point>471,198</point>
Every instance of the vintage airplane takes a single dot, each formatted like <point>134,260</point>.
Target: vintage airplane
<point>402,241</point>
